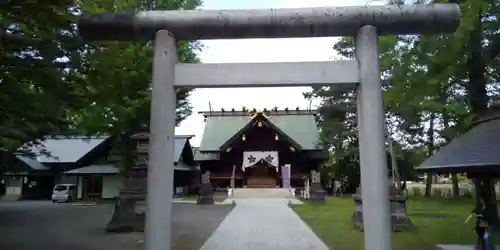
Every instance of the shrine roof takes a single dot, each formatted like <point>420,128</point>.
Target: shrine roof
<point>478,148</point>
<point>220,126</point>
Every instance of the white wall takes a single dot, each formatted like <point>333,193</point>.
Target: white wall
<point>111,185</point>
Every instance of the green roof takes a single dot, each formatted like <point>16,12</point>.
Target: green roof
<point>299,125</point>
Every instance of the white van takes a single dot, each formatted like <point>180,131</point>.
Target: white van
<point>64,193</point>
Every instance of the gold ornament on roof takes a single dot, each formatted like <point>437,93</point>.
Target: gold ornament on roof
<point>255,112</point>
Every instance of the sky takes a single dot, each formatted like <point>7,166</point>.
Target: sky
<point>258,50</point>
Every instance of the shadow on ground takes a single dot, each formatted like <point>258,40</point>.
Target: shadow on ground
<point>27,225</point>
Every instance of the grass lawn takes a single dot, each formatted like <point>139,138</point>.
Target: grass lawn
<point>195,197</point>
<point>332,223</point>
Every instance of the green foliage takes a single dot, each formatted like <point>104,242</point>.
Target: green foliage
<point>53,82</point>
<point>35,93</point>
<point>438,77</point>
<point>119,75</point>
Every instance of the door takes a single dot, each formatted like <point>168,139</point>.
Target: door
<point>260,177</point>
<point>92,187</point>
<point>13,185</point>
<point>260,171</point>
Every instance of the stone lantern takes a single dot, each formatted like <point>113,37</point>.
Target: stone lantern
<point>399,219</point>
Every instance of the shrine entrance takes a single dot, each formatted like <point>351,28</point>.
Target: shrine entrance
<point>261,169</point>
<point>261,175</point>
<point>365,23</point>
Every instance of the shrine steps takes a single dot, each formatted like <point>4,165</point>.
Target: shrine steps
<point>262,193</point>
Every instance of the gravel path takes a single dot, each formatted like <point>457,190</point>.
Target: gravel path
<point>39,225</point>
<point>264,224</point>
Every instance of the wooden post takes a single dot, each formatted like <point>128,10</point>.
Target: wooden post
<point>232,179</point>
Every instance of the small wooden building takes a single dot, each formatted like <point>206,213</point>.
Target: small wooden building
<point>258,147</point>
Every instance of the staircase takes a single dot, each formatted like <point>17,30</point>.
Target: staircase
<point>261,193</point>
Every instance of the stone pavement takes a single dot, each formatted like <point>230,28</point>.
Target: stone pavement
<point>264,224</point>
<point>293,201</point>
<point>461,247</point>
<point>40,225</point>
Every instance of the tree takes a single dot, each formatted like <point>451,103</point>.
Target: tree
<point>37,87</point>
<point>118,78</point>
<point>119,75</point>
<point>432,79</point>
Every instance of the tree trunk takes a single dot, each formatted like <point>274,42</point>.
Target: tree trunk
<point>125,218</point>
<point>430,152</point>
<point>455,187</point>
<point>454,177</point>
<point>478,99</point>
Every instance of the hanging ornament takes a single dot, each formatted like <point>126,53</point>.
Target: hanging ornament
<point>243,138</point>
<point>276,137</point>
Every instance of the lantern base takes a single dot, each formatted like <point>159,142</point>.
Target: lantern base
<point>399,219</point>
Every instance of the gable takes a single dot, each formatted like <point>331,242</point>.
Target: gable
<point>32,163</point>
<point>259,120</point>
<point>14,163</point>
<point>183,151</point>
<point>301,128</point>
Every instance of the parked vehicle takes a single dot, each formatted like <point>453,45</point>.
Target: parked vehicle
<point>64,193</point>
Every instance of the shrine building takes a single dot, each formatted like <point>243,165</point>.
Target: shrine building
<point>260,149</point>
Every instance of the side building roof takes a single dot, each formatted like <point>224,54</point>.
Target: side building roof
<point>478,148</point>
<point>39,155</point>
<point>62,149</point>
<point>299,125</point>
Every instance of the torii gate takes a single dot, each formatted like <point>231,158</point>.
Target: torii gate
<point>366,23</point>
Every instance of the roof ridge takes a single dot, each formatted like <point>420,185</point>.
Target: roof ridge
<point>75,137</point>
<point>270,113</point>
<point>146,135</point>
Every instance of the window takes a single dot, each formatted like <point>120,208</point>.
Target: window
<point>60,188</point>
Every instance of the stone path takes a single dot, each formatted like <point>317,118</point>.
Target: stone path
<point>293,201</point>
<point>264,224</point>
<point>461,247</point>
